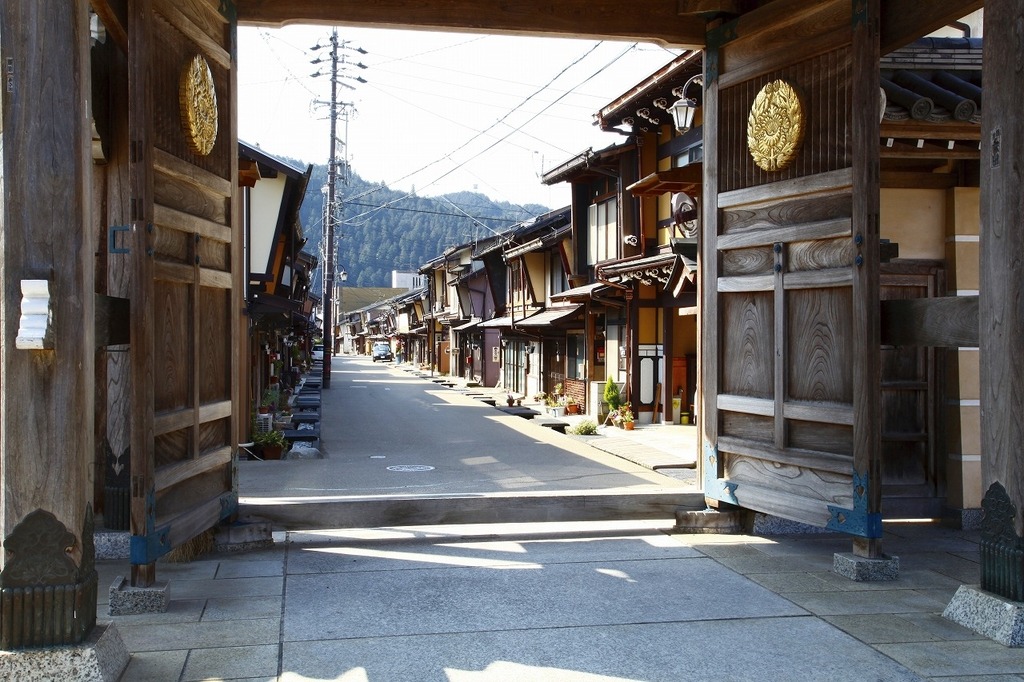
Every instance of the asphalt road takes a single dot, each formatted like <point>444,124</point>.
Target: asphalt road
<point>386,432</point>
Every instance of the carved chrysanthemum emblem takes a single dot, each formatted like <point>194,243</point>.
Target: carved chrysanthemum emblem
<point>775,127</point>
<point>198,99</point>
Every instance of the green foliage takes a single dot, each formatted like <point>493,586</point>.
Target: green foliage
<point>611,394</point>
<point>587,427</point>
<point>383,229</point>
<point>269,438</point>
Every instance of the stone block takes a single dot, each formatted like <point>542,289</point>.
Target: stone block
<point>126,600</point>
<point>988,614</point>
<point>112,544</point>
<point>243,536</point>
<point>708,521</point>
<point>863,569</point>
<point>102,657</point>
<point>766,524</point>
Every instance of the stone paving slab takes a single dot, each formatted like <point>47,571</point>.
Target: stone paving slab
<point>466,599</point>
<point>792,649</point>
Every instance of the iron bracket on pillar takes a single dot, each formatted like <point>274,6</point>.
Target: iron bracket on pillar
<point>857,521</point>
<point>715,487</point>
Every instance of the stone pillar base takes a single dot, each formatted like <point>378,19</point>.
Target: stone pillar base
<point>101,657</point>
<point>988,614</point>
<point>112,544</point>
<point>862,569</point>
<point>126,600</point>
<point>708,521</point>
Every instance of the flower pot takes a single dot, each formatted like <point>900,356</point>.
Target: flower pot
<point>628,425</point>
<point>572,408</point>
<point>272,451</point>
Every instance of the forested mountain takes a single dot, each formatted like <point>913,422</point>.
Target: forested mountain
<point>384,230</point>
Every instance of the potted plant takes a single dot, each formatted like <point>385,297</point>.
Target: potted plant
<point>571,406</point>
<point>611,394</point>
<point>271,442</point>
<point>555,406</point>
<point>626,417</point>
<point>510,399</point>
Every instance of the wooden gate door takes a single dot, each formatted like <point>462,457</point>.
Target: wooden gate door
<point>790,337</point>
<point>184,333</point>
<point>912,478</point>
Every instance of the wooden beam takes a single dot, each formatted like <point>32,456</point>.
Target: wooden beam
<point>1002,258</point>
<point>902,24</point>
<point>658,21</point>
<point>947,322</point>
<point>912,180</point>
<point>112,14</point>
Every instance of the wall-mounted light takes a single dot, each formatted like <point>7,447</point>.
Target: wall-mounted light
<point>685,107</point>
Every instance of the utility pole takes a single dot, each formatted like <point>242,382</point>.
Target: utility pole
<point>331,211</point>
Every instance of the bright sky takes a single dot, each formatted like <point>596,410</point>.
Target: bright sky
<point>440,112</point>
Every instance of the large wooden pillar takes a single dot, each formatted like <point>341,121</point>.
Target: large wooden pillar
<point>1002,254</point>
<point>46,402</point>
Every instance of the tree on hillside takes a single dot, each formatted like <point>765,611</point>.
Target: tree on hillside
<point>383,229</point>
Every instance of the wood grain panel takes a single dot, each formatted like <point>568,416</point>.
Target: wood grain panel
<point>214,435</point>
<point>813,187</point>
<point>819,353</point>
<point>841,464</point>
<point>763,232</point>
<point>811,484</point>
<point>181,498</point>
<point>199,518</point>
<point>176,473</point>
<point>202,24</point>
<point>215,279</point>
<point>215,357</point>
<point>745,283</point>
<point>822,437</point>
<point>188,197</point>
<point>171,166</point>
<point>755,261</point>
<point>735,403</point>
<point>819,279</point>
<point>173,447</point>
<point>171,246</point>
<point>820,254</point>
<point>215,255</point>
<point>785,505</point>
<point>173,358</point>
<point>167,217</point>
<point>782,33</point>
<point>829,413</point>
<point>747,321</point>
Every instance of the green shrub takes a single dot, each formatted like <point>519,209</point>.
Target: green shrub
<point>586,427</point>
<point>611,394</point>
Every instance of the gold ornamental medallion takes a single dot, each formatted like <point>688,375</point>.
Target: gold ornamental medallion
<point>198,100</point>
<point>775,127</point>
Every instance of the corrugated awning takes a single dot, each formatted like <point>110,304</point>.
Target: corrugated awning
<point>579,293</point>
<point>550,316</point>
<point>473,322</point>
<point>687,179</point>
<point>505,321</point>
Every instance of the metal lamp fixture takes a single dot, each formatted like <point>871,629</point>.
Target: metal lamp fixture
<point>684,108</point>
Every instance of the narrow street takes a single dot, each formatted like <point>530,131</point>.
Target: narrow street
<point>387,432</point>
